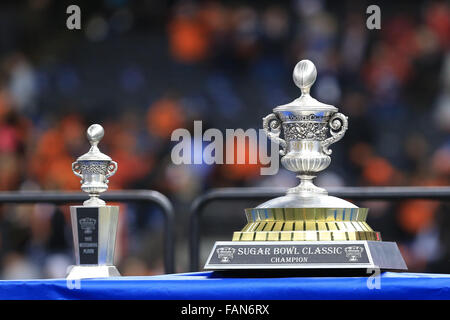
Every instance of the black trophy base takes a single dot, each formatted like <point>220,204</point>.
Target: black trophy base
<point>246,255</point>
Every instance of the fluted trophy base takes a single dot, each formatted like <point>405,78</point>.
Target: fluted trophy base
<point>319,235</point>
<point>94,271</point>
<point>305,238</point>
<point>306,224</point>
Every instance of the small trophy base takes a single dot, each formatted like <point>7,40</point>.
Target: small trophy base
<point>94,234</point>
<point>94,271</point>
<point>245,255</point>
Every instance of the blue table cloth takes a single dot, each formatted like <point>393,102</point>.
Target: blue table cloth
<point>209,286</point>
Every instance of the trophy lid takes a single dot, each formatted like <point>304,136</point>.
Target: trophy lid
<point>304,76</point>
<point>94,134</point>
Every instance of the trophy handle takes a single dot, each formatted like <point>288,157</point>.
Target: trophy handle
<point>338,125</point>
<point>272,127</point>
<point>112,168</point>
<point>76,169</point>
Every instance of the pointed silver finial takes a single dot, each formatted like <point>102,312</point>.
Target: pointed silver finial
<point>304,75</point>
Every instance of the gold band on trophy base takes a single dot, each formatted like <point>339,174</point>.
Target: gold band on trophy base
<point>306,224</point>
<point>305,235</point>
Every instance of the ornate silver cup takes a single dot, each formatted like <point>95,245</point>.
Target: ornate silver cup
<point>94,224</point>
<point>305,123</point>
<point>94,168</point>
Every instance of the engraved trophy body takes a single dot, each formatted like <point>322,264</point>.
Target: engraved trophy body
<point>94,224</point>
<point>306,228</point>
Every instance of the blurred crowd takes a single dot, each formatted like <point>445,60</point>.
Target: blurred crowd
<point>143,69</point>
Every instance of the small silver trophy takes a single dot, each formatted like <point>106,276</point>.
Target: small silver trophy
<point>306,228</point>
<point>94,224</point>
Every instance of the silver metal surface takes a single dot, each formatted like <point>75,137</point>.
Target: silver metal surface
<point>305,123</point>
<point>94,168</point>
<point>292,200</point>
<point>94,271</point>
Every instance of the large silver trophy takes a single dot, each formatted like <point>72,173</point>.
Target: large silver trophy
<point>306,228</point>
<point>94,224</point>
